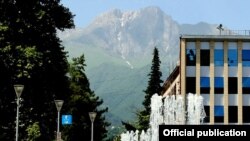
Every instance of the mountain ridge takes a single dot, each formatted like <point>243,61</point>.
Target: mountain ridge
<point>118,49</point>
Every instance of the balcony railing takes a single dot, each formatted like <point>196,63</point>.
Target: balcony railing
<point>235,32</point>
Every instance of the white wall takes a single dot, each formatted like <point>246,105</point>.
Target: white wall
<point>205,45</point>
<point>190,45</point>
<point>218,71</point>
<point>246,45</point>
<point>218,99</point>
<point>246,99</point>
<point>190,71</point>
<point>232,71</point>
<point>218,45</point>
<point>204,71</point>
<point>232,99</point>
<point>246,72</point>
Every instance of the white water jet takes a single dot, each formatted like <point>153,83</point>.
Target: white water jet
<point>173,111</point>
<point>195,109</point>
<point>169,110</point>
<point>145,136</point>
<point>156,116</point>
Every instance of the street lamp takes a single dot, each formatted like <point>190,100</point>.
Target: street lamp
<point>59,104</point>
<point>18,89</point>
<point>92,116</point>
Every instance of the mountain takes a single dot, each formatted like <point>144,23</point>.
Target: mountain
<point>118,49</point>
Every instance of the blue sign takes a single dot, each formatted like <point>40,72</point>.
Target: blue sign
<point>66,119</point>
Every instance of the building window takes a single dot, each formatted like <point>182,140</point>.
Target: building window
<point>246,115</point>
<point>233,114</point>
<point>204,57</point>
<point>205,90</point>
<point>246,82</point>
<point>218,85</point>
<point>190,85</point>
<point>232,57</point>
<point>205,82</point>
<point>246,85</point>
<point>218,114</point>
<point>207,111</point>
<point>218,57</point>
<point>218,90</point>
<point>218,111</point>
<point>246,58</point>
<point>245,90</point>
<point>218,82</point>
<point>190,57</point>
<point>232,85</point>
<point>205,85</point>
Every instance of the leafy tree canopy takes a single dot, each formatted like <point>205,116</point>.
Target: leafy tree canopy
<point>32,54</point>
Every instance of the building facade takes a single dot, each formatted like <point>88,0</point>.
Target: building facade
<point>218,68</point>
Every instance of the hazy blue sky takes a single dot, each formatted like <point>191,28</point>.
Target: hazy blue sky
<point>234,14</point>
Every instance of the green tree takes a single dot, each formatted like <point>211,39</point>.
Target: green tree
<point>32,54</point>
<point>82,101</point>
<point>154,87</point>
<point>33,131</point>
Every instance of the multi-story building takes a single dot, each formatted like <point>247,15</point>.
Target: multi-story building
<point>218,68</point>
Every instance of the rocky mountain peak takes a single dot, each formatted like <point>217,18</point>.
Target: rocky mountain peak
<point>118,48</point>
<point>131,33</point>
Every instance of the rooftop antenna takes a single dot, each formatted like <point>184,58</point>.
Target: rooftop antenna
<point>220,28</point>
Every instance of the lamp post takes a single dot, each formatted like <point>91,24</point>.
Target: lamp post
<point>59,104</point>
<point>92,116</point>
<point>18,89</point>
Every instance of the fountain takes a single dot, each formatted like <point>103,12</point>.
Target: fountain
<point>169,110</point>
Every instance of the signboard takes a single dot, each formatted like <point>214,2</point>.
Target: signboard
<point>66,119</point>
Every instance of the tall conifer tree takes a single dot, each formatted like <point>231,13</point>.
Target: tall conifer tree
<point>154,87</point>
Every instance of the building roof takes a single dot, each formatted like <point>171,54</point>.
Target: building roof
<point>170,79</point>
<point>216,37</point>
